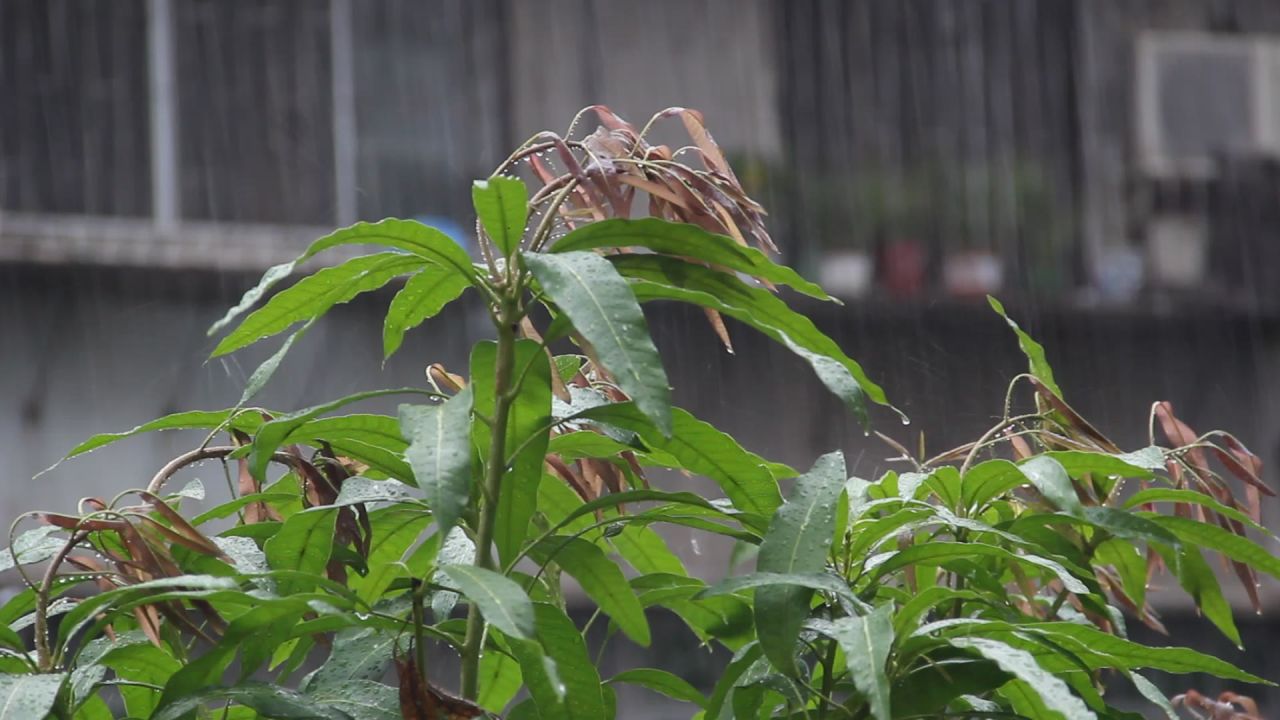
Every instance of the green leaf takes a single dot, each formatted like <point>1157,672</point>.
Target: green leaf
<point>423,296</point>
<point>1129,562</point>
<point>656,277</point>
<point>866,642</point>
<point>935,552</point>
<point>246,420</point>
<point>500,680</point>
<point>358,654</point>
<point>360,699</point>
<point>33,546</point>
<point>825,582</point>
<point>1170,495</point>
<point>395,531</point>
<point>603,309</point>
<point>797,542</point>
<point>408,235</point>
<point>304,543</point>
<point>928,689</point>
<point>1149,691</point>
<point>1033,350</point>
<point>313,295</point>
<point>272,435</point>
<point>1078,462</point>
<point>28,697</point>
<point>662,682</point>
<point>1053,692</point>
<point>142,663</point>
<point>1052,480</point>
<point>559,672</point>
<point>1198,580</point>
<point>501,601</point>
<point>262,375</point>
<point>989,480</point>
<point>702,449</point>
<point>684,240</point>
<point>528,425</point>
<point>1212,537</point>
<point>1128,525</point>
<point>1130,655</point>
<point>601,580</point>
<point>271,701</point>
<point>440,454</point>
<point>646,551</point>
<point>502,206</point>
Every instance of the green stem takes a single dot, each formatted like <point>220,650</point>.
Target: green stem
<point>503,400</point>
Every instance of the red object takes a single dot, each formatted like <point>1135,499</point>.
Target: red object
<point>903,265</point>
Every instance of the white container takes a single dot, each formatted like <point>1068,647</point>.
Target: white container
<point>972,273</point>
<point>846,273</point>
<point>1177,251</point>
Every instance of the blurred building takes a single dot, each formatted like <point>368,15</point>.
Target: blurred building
<point>1107,166</point>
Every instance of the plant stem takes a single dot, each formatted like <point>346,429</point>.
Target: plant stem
<point>502,401</point>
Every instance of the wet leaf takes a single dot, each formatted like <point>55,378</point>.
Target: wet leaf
<point>603,309</point>
<point>600,578</point>
<point>28,697</point>
<point>423,296</point>
<point>315,294</point>
<point>866,642</point>
<point>662,682</point>
<point>560,674</point>
<point>501,601</point>
<point>683,240</point>
<point>440,454</point>
<point>500,204</point>
<point>304,544</point>
<point>410,236</point>
<point>269,700</point>
<point>1052,691</point>
<point>797,542</point>
<point>656,277</point>
<point>1033,350</point>
<point>360,699</point>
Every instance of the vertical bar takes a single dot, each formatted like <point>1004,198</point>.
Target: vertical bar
<point>162,63</point>
<point>344,118</point>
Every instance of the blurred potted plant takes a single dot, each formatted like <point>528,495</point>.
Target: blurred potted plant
<point>894,208</point>
<point>968,222</point>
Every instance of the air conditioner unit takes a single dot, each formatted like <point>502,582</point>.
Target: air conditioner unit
<point>1200,94</point>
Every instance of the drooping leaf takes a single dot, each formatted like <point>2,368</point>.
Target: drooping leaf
<point>654,277</point>
<point>357,654</point>
<point>866,642</point>
<point>702,449</point>
<point>271,435</point>
<point>1199,581</point>
<point>501,601</point>
<point>1034,351</point>
<point>1055,693</point>
<point>797,542</point>
<point>1052,480</point>
<point>315,294</point>
<point>939,552</point>
<point>304,543</point>
<point>662,682</point>
<point>603,309</point>
<point>528,423</point>
<point>600,578</point>
<point>440,454</point>
<point>409,236</point>
<point>394,533</point>
<point>33,546</point>
<point>263,374</point>
<point>192,420</point>
<point>1149,691</point>
<point>423,296</point>
<point>684,240</point>
<point>360,699</point>
<point>1130,465</point>
<point>502,205</point>
<point>1213,537</point>
<point>269,700</point>
<point>1172,495</point>
<point>988,480</point>
<point>571,690</point>
<point>28,697</point>
<point>500,681</point>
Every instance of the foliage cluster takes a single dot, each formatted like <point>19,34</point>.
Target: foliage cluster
<point>994,580</point>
